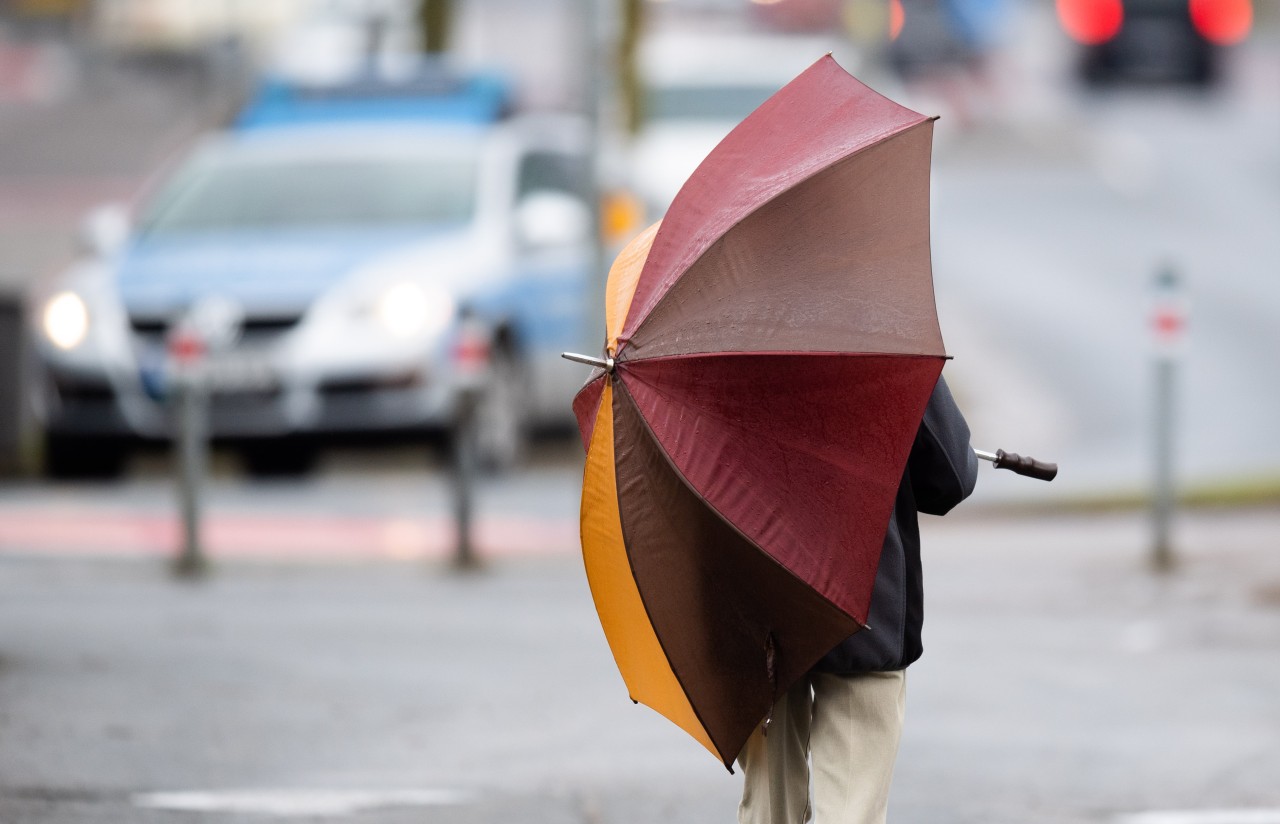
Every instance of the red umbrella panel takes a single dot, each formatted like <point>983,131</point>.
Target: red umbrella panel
<point>771,344</point>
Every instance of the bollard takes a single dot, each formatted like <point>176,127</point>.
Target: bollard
<point>471,355</point>
<point>186,351</point>
<point>14,458</point>
<point>212,325</point>
<point>1168,327</point>
<point>463,466</point>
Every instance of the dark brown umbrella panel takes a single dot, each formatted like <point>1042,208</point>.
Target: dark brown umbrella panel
<point>773,343</point>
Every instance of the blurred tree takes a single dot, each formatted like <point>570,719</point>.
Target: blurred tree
<point>629,81</point>
<point>869,22</point>
<point>434,17</point>
<point>54,12</point>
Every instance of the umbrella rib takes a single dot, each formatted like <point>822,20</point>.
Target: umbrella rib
<point>881,138</point>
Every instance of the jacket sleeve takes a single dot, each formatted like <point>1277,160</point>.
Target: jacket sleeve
<point>942,466</point>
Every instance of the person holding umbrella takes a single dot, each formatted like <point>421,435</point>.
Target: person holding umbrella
<point>765,421</point>
<point>848,712</point>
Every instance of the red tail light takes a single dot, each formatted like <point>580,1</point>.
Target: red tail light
<point>1091,21</point>
<point>1222,21</point>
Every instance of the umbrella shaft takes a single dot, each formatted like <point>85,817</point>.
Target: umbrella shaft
<point>986,456</point>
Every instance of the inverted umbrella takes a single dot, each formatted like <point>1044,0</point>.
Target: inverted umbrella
<point>770,348</point>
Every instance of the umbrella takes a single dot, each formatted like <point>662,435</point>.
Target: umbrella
<point>770,348</point>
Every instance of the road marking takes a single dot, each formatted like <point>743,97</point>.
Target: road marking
<point>297,803</point>
<point>1253,816</point>
<point>278,536</point>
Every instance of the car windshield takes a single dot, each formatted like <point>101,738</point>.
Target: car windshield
<point>705,102</point>
<point>213,195</point>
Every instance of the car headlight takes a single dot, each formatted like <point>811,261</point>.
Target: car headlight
<point>65,320</point>
<point>410,310</point>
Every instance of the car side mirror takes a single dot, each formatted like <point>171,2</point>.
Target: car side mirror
<point>104,230</point>
<point>548,219</point>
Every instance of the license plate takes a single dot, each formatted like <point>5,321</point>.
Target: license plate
<point>230,372</point>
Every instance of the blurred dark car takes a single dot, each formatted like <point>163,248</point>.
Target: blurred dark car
<point>1154,41</point>
<point>929,36</point>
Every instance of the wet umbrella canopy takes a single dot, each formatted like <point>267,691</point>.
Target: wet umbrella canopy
<point>771,346</point>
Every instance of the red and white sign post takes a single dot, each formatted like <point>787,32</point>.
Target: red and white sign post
<point>187,349</point>
<point>1168,335</point>
<point>472,356</point>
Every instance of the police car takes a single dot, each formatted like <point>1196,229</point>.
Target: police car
<point>368,252</point>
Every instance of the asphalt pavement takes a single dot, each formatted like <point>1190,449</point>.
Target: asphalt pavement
<point>1062,682</point>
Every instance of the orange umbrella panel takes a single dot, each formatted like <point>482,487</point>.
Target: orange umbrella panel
<point>632,639</point>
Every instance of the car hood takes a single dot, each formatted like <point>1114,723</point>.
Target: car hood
<point>277,273</point>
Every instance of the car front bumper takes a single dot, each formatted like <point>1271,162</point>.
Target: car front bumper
<point>399,398</point>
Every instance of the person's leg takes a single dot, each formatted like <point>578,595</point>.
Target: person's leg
<point>775,765</point>
<point>857,723</point>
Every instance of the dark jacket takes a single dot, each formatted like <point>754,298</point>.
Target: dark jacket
<point>940,473</point>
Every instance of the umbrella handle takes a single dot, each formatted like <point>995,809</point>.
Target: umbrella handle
<point>1023,466</point>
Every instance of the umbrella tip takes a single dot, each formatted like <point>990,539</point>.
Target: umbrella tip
<point>606,363</point>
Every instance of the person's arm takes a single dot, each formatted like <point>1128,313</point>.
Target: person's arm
<point>942,466</point>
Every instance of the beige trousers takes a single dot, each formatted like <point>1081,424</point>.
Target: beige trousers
<point>851,727</point>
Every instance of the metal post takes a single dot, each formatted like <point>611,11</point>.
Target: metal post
<point>1168,329</point>
<point>212,325</point>
<point>193,452</point>
<point>1162,508</point>
<point>464,480</point>
<point>13,419</point>
<point>472,352</point>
